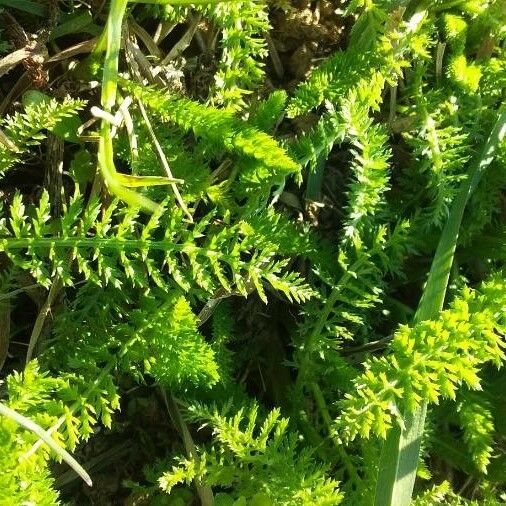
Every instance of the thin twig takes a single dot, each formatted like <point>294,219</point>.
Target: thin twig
<point>144,67</point>
<point>183,42</point>
<point>204,491</point>
<point>393,104</point>
<point>276,60</point>
<point>5,331</point>
<point>7,142</point>
<point>145,37</point>
<point>163,30</point>
<point>199,39</point>
<point>439,61</point>
<point>163,161</point>
<point>27,288</point>
<point>86,46</point>
<point>41,317</point>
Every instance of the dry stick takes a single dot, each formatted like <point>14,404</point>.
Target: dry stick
<point>6,141</point>
<point>84,47</point>
<point>7,63</point>
<point>158,31</point>
<point>143,65</point>
<point>439,60</point>
<point>163,161</point>
<point>53,181</point>
<point>24,82</point>
<point>5,331</point>
<point>276,60</point>
<point>96,463</point>
<point>129,126</point>
<point>41,317</point>
<point>147,40</point>
<point>393,104</point>
<point>53,173</point>
<point>163,30</point>
<point>10,295</point>
<point>207,311</point>
<point>198,35</point>
<point>20,86</point>
<point>183,42</point>
<point>205,492</point>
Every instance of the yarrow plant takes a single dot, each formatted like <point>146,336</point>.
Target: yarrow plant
<point>234,282</point>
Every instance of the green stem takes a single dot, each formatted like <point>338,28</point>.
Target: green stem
<point>110,75</point>
<point>88,242</point>
<point>400,453</point>
<point>322,319</point>
<point>315,180</point>
<point>327,419</point>
<point>108,100</point>
<point>433,296</point>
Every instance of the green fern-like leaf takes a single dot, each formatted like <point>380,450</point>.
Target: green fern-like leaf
<point>477,422</point>
<point>167,341</point>
<point>371,157</point>
<point>266,114</point>
<point>442,149</point>
<point>338,74</point>
<point>23,130</point>
<point>243,25</point>
<point>428,361</point>
<point>317,143</point>
<point>263,161</point>
<point>114,246</point>
<point>249,457</point>
<point>65,404</point>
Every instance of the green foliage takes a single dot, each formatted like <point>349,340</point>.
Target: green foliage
<point>64,400</point>
<point>169,344</point>
<point>266,114</point>
<point>25,129</point>
<point>243,48</point>
<point>252,456</point>
<point>262,162</point>
<point>187,165</point>
<point>258,298</point>
<point>333,79</point>
<point>477,423</point>
<point>442,149</point>
<point>371,156</point>
<point>428,361</point>
<point>465,75</point>
<point>110,252</point>
<point>439,494</point>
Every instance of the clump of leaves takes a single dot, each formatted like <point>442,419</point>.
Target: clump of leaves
<point>272,291</point>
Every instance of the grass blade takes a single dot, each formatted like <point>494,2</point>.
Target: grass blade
<point>25,5</point>
<point>39,431</point>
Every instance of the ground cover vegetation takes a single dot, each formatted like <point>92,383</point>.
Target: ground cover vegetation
<point>252,252</point>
